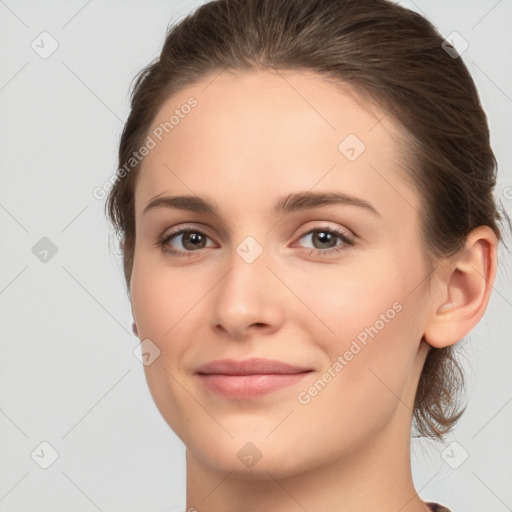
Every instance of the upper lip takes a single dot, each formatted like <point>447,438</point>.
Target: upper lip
<point>253,366</point>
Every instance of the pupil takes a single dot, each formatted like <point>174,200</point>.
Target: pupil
<point>193,238</point>
<point>324,237</point>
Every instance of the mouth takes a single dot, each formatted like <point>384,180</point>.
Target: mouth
<point>250,378</point>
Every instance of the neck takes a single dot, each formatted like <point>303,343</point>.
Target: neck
<point>376,477</point>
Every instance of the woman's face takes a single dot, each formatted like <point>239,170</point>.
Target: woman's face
<point>268,276</point>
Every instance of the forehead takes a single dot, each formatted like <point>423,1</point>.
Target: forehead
<point>261,131</point>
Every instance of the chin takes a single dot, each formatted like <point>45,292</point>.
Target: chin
<point>251,459</point>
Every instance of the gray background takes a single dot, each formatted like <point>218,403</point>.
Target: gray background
<point>68,374</point>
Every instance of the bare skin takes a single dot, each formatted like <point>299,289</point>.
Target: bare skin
<point>251,139</point>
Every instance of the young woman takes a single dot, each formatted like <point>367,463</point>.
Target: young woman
<point>305,206</point>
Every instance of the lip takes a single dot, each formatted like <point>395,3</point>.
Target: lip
<point>253,366</point>
<point>249,378</point>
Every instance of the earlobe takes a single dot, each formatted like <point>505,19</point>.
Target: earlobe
<point>466,290</point>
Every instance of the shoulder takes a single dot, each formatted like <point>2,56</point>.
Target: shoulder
<point>436,507</point>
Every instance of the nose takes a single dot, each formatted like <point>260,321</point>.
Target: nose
<point>249,298</point>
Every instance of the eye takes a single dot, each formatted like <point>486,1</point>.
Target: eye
<point>325,238</point>
<point>192,240</point>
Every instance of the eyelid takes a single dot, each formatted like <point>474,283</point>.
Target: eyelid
<point>185,227</point>
<point>323,225</point>
<point>319,225</point>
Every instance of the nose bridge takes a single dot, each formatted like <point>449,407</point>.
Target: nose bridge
<point>246,295</point>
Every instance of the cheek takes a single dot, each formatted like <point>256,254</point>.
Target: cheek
<point>161,300</point>
<point>372,297</point>
<point>368,366</point>
<point>165,304</point>
<point>372,318</point>
<point>354,301</point>
<point>160,303</point>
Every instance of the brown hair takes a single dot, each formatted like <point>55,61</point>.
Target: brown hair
<point>390,55</point>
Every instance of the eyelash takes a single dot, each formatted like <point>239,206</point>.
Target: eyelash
<point>347,242</point>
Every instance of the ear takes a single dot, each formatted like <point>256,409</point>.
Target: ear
<point>465,290</point>
<point>134,329</point>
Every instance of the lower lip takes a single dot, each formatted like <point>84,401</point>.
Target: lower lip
<point>250,386</point>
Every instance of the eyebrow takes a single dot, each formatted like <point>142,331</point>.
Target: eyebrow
<point>297,201</point>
